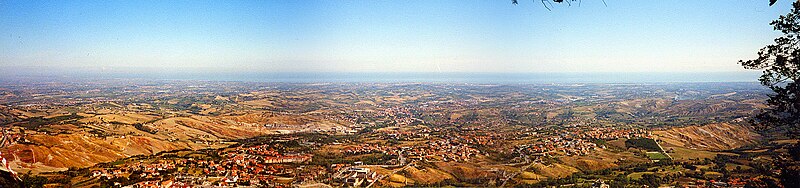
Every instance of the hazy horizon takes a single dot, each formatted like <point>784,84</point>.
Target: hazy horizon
<point>399,93</point>
<point>331,76</point>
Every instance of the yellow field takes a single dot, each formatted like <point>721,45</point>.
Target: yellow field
<point>126,118</point>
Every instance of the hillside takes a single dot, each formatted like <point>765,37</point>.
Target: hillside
<point>90,139</point>
<point>712,137</point>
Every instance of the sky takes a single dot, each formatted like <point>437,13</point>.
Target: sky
<point>385,36</point>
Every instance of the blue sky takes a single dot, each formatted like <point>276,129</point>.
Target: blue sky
<point>386,36</point>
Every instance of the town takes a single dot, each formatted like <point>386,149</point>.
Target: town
<point>378,134</point>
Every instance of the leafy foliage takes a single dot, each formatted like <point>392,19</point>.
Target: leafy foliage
<point>642,143</point>
<point>37,122</point>
<point>780,63</point>
<point>546,2</point>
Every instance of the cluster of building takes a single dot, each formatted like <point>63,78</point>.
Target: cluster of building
<point>258,165</point>
<point>418,134</point>
<point>266,155</point>
<point>611,133</point>
<point>436,149</point>
<point>355,176</point>
<point>447,150</point>
<point>732,182</point>
<point>576,139</point>
<point>559,146</point>
<point>367,148</point>
<point>142,170</point>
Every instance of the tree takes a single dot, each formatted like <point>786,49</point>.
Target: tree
<point>544,2</point>
<point>780,63</point>
<point>569,2</point>
<point>781,70</point>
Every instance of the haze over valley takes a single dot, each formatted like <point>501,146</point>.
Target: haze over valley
<point>399,94</point>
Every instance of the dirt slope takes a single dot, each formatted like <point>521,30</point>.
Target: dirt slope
<point>94,140</point>
<point>712,137</point>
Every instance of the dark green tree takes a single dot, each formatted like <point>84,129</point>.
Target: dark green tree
<point>546,2</point>
<point>780,63</point>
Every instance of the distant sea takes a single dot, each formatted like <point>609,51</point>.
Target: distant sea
<point>307,77</point>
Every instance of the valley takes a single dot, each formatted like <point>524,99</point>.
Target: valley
<point>89,133</point>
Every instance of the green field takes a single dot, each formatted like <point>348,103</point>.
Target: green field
<point>638,175</point>
<point>657,156</point>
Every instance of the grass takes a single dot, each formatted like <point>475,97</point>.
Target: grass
<point>680,153</point>
<point>657,156</point>
<point>396,178</point>
<point>117,162</point>
<point>638,175</point>
<point>530,176</point>
<point>731,167</point>
<point>618,143</point>
<point>713,175</point>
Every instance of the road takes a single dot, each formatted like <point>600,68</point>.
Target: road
<point>662,150</point>
<point>390,174</point>
<point>515,174</point>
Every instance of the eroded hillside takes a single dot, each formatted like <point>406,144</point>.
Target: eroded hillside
<point>713,137</point>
